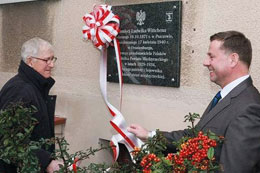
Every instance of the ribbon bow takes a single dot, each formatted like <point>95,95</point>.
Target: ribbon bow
<point>102,27</point>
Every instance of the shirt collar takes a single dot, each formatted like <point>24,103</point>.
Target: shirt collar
<point>232,85</point>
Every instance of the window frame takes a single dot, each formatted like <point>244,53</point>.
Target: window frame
<point>13,1</point>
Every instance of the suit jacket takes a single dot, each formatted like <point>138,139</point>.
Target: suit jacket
<point>237,118</point>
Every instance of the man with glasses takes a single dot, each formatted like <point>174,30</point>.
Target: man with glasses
<point>31,86</point>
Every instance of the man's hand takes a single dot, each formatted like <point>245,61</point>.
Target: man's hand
<point>139,131</point>
<point>54,166</point>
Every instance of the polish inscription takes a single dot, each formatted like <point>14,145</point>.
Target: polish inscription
<point>150,52</point>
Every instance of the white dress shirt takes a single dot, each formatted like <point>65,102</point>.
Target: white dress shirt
<point>231,86</point>
<point>223,94</point>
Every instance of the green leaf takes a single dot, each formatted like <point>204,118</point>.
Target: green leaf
<point>210,153</point>
<point>19,134</point>
<point>168,162</point>
<point>6,142</point>
<point>34,147</point>
<point>26,130</point>
<point>158,171</point>
<point>214,137</point>
<point>21,149</point>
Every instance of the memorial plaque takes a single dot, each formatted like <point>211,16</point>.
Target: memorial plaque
<point>150,44</point>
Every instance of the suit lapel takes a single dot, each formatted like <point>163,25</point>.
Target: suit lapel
<point>209,115</point>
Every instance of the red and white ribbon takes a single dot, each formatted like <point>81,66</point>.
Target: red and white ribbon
<point>102,27</point>
<point>76,163</point>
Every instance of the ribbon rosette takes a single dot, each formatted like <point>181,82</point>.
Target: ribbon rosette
<point>102,27</point>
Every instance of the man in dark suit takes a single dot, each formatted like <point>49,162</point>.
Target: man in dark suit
<point>236,116</point>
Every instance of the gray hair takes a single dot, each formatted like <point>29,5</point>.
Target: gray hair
<point>33,47</point>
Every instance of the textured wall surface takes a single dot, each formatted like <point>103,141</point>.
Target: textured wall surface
<point>77,68</point>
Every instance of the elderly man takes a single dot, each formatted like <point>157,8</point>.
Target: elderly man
<point>235,111</point>
<point>31,85</point>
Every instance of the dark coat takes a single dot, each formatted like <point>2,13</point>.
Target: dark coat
<point>32,88</point>
<point>237,118</point>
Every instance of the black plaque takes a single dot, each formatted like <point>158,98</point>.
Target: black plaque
<point>150,44</point>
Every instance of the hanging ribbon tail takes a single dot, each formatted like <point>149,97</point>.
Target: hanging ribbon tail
<point>116,139</point>
<point>124,137</point>
<point>115,147</point>
<point>119,69</point>
<point>102,27</point>
<point>118,122</point>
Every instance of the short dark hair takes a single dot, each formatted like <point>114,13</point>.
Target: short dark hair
<point>235,42</point>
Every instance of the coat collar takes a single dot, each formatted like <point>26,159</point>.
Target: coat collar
<point>29,74</point>
<point>207,116</point>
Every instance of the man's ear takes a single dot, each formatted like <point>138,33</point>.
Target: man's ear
<point>29,61</point>
<point>234,59</point>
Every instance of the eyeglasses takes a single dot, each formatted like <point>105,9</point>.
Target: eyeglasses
<point>48,60</point>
